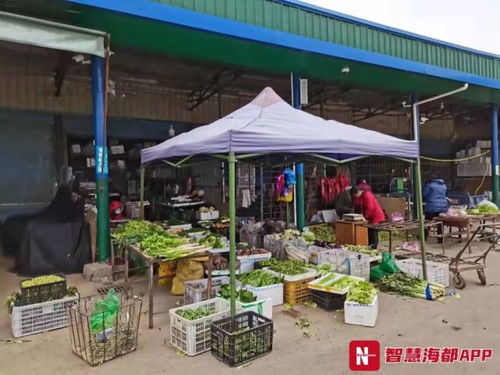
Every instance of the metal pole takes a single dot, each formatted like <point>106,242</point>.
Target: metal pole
<point>232,230</point>
<point>494,153</point>
<point>101,158</point>
<point>141,193</point>
<point>418,189</point>
<point>261,182</point>
<point>299,169</point>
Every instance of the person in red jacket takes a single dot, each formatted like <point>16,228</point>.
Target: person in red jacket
<point>371,210</point>
<point>363,185</point>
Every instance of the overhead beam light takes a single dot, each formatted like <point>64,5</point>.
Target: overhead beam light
<point>345,70</point>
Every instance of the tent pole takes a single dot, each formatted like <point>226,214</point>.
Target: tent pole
<point>141,192</point>
<point>299,169</point>
<point>232,229</point>
<point>418,189</point>
<point>494,154</point>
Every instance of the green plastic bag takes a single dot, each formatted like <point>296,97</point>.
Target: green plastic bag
<point>104,312</point>
<point>388,266</point>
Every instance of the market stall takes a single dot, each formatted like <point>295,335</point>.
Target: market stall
<point>269,125</point>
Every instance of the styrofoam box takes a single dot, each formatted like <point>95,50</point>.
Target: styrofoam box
<point>247,262</point>
<point>361,315</point>
<point>181,227</point>
<point>436,272</point>
<point>262,307</point>
<point>275,292</point>
<point>40,317</point>
<point>212,215</point>
<point>194,336</point>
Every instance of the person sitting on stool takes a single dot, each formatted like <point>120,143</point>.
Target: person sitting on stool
<point>371,211</point>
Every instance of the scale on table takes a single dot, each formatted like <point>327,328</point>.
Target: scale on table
<point>353,217</point>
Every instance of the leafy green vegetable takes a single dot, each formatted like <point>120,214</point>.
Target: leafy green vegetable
<point>244,296</point>
<point>286,267</point>
<point>324,269</point>
<point>362,250</point>
<point>487,209</point>
<point>213,241</point>
<point>407,285</point>
<point>193,314</point>
<point>153,240</point>
<point>323,233</point>
<point>259,278</point>
<point>362,292</point>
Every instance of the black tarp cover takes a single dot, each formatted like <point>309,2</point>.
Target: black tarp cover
<point>55,240</point>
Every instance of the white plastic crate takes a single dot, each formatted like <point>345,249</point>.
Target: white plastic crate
<point>262,307</point>
<point>247,262</point>
<point>40,317</point>
<point>193,294</point>
<point>275,292</point>
<point>346,262</point>
<point>193,336</point>
<point>436,272</point>
<point>361,315</point>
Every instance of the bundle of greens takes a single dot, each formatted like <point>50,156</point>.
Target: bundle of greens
<point>153,240</point>
<point>332,280</point>
<point>323,233</point>
<point>286,267</point>
<point>213,241</point>
<point>133,232</point>
<point>244,296</point>
<point>362,292</point>
<point>193,314</point>
<point>483,209</point>
<point>362,250</point>
<point>165,245</point>
<point>323,269</point>
<point>407,285</point>
<point>259,278</point>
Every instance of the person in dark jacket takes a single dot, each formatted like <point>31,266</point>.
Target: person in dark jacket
<point>435,199</point>
<point>343,203</point>
<point>436,202</point>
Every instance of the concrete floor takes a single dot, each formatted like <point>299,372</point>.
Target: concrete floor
<point>469,322</point>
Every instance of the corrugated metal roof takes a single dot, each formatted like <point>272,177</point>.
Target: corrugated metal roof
<point>300,19</point>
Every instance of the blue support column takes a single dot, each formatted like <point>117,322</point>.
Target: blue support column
<point>299,169</point>
<point>494,153</point>
<point>101,158</point>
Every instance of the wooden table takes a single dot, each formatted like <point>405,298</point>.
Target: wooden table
<point>150,265</point>
<point>351,232</point>
<point>405,226</point>
<point>458,222</point>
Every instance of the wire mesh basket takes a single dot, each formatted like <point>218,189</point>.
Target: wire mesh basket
<point>98,337</point>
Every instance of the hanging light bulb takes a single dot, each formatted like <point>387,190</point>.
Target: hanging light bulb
<point>171,131</point>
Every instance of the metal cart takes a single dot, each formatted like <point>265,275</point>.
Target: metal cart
<point>488,232</point>
<point>472,262</point>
